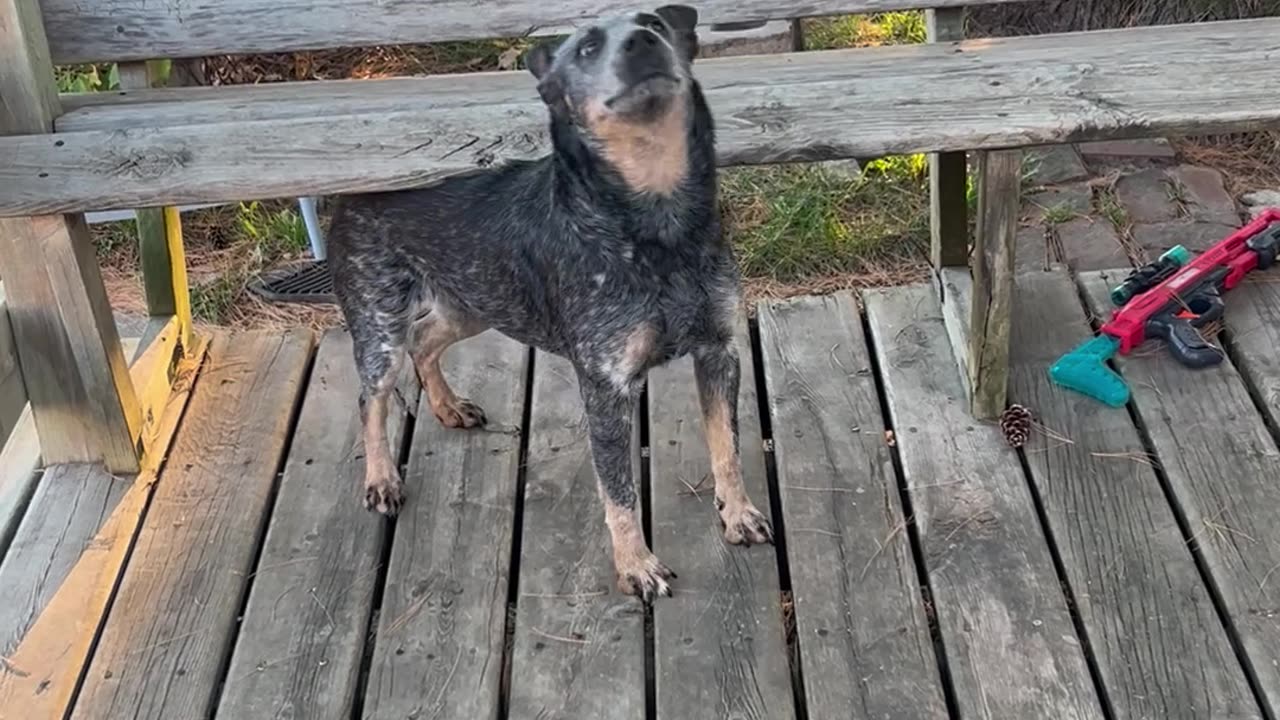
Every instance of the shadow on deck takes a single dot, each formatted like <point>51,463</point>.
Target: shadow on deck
<point>1124,564</point>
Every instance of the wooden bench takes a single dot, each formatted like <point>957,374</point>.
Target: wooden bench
<point>153,148</point>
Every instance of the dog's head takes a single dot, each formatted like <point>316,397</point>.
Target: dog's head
<point>623,82</point>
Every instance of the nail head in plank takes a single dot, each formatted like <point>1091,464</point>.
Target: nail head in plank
<point>863,635</point>
<point>719,641</point>
<point>442,624</point>
<point>1160,648</point>
<point>1221,465</point>
<point>579,642</point>
<point>165,642</point>
<point>304,627</point>
<point>1010,646</point>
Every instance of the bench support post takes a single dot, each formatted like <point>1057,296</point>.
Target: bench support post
<point>948,172</point>
<point>82,398</point>
<point>990,315</point>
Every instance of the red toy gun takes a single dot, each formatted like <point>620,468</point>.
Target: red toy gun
<point>1172,298</point>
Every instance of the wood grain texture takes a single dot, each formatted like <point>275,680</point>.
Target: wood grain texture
<point>58,641</point>
<point>303,632</point>
<point>864,639</point>
<point>28,94</point>
<point>979,94</point>
<point>1253,334</point>
<point>1010,645</point>
<point>579,642</point>
<point>1220,463</point>
<point>1155,635</point>
<point>991,307</point>
<point>13,392</point>
<point>69,506</point>
<point>81,31</point>
<point>719,641</point>
<point>19,463</point>
<point>165,642</point>
<point>439,646</point>
<point>948,172</point>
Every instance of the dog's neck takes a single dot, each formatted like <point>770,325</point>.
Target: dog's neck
<point>651,157</point>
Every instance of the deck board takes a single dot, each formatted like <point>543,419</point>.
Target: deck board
<point>863,635</point>
<point>719,641</point>
<point>439,647</point>
<point>1010,645</point>
<point>1253,334</point>
<point>303,634</point>
<point>1160,647</point>
<point>165,642</point>
<point>1221,465</point>
<point>579,643</point>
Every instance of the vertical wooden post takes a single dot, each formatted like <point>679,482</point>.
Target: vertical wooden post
<point>999,196</point>
<point>164,272</point>
<point>948,173</point>
<point>81,395</point>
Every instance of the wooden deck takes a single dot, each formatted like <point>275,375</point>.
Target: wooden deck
<point>1124,565</point>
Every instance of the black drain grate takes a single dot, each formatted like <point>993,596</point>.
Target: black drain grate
<point>306,283</point>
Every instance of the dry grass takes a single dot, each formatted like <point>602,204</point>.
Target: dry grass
<point>1249,161</point>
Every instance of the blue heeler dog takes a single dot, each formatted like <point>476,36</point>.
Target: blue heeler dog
<point>607,252</point>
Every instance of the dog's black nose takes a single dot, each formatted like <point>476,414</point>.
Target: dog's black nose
<point>640,41</point>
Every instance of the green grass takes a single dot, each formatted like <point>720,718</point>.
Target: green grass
<point>890,28</point>
<point>87,78</point>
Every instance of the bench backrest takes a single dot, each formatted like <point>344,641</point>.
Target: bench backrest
<point>126,30</point>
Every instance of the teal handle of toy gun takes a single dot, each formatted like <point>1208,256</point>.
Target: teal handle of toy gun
<point>1085,371</point>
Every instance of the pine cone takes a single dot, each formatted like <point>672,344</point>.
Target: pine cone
<point>1015,423</point>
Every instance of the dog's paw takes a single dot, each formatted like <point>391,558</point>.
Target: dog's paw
<point>645,577</point>
<point>744,524</point>
<point>461,413</point>
<point>385,495</point>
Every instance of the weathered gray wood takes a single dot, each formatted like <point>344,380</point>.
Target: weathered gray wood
<point>13,392</point>
<point>948,172</point>
<point>19,461</point>
<point>719,642</point>
<point>1159,645</point>
<point>81,31</point>
<point>978,95</point>
<point>991,306</point>
<point>864,639</point>
<point>1253,333</point>
<point>64,515</point>
<point>955,293</point>
<point>1220,464</point>
<point>1010,645</point>
<point>439,645</point>
<point>579,642</point>
<point>165,641</point>
<point>69,350</point>
<point>304,628</point>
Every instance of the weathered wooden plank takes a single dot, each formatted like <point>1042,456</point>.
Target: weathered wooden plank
<point>949,172</point>
<point>579,643</point>
<point>1160,648</point>
<point>1253,333</point>
<point>979,94</point>
<point>864,639</point>
<point>991,306</point>
<point>56,643</point>
<point>13,392</point>
<point>28,94</point>
<point>304,627</point>
<point>439,647</point>
<point>719,641</point>
<point>1220,464</point>
<point>19,461</point>
<point>1010,645</point>
<point>165,642</point>
<point>81,31</point>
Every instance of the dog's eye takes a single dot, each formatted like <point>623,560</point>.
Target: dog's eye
<point>588,48</point>
<point>656,26</point>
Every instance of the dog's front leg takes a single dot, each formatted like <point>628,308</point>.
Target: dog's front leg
<point>609,417</point>
<point>717,371</point>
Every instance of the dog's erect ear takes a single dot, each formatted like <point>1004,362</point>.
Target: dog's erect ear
<point>540,58</point>
<point>682,20</point>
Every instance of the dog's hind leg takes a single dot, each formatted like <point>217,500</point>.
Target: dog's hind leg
<point>383,487</point>
<point>433,334</point>
<point>609,417</point>
<point>717,371</point>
